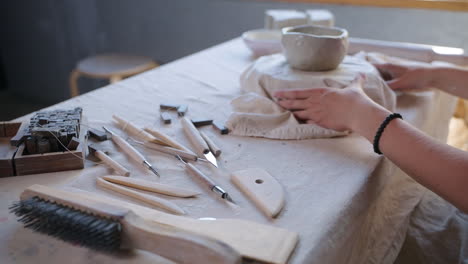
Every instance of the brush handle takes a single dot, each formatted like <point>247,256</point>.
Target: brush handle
<point>213,147</point>
<point>151,186</point>
<point>176,244</point>
<point>119,169</point>
<point>153,200</point>
<point>135,131</point>
<point>194,136</point>
<point>167,139</point>
<point>172,151</point>
<point>137,232</point>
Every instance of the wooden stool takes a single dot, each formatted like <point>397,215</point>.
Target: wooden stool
<point>114,67</point>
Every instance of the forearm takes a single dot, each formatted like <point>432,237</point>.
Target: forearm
<point>451,80</point>
<point>437,166</point>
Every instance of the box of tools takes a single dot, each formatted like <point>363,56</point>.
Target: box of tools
<point>7,152</point>
<point>51,141</point>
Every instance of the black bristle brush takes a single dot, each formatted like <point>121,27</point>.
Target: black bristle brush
<point>107,228</point>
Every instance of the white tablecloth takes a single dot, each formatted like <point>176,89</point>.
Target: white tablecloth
<point>348,204</point>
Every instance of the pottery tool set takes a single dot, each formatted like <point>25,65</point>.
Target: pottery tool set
<point>108,225</point>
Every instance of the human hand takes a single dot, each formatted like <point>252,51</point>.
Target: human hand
<point>404,78</point>
<point>338,109</point>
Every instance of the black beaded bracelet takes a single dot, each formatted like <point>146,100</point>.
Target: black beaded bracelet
<point>381,129</point>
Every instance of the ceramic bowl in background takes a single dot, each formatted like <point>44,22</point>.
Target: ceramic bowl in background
<point>314,48</point>
<point>263,41</point>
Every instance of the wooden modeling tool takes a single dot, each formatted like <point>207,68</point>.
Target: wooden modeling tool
<point>260,187</point>
<point>149,199</point>
<point>131,151</point>
<point>264,243</point>
<point>168,140</point>
<point>101,155</point>
<point>213,147</point>
<point>207,181</point>
<point>135,131</point>
<point>103,224</point>
<point>151,186</point>
<point>171,151</point>
<point>198,142</point>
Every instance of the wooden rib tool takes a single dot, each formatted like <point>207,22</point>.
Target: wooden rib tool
<point>101,155</point>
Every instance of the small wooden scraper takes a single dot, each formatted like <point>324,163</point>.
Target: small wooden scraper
<point>260,187</point>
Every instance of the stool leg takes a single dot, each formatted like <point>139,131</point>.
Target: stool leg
<point>115,78</point>
<point>74,83</point>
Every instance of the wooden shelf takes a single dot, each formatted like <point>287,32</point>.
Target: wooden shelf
<point>451,5</point>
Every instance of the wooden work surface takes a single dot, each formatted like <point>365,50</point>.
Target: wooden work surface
<point>347,203</point>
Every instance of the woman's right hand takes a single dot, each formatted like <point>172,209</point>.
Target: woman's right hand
<point>404,78</point>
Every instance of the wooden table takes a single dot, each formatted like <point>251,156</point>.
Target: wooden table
<point>347,203</point>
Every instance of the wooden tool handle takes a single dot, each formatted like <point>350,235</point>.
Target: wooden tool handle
<point>176,244</point>
<point>172,151</point>
<point>159,202</point>
<point>213,147</point>
<point>127,148</point>
<point>119,169</point>
<point>167,139</point>
<point>151,186</point>
<point>135,131</point>
<point>196,172</point>
<point>192,133</point>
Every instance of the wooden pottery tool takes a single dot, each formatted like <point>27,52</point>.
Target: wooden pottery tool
<point>213,147</point>
<point>198,142</point>
<point>168,140</point>
<point>149,199</point>
<point>206,181</point>
<point>105,225</point>
<point>260,187</point>
<point>151,186</point>
<point>101,155</point>
<point>135,131</point>
<point>171,151</point>
<point>131,151</point>
<point>254,241</point>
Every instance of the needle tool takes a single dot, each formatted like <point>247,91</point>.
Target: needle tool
<point>131,151</point>
<point>206,180</point>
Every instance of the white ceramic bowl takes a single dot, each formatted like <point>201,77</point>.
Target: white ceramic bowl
<point>263,41</point>
<point>314,48</point>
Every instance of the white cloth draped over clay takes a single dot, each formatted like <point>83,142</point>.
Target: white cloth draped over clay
<point>256,114</point>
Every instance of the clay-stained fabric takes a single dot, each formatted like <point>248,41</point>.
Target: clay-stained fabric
<point>256,113</point>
